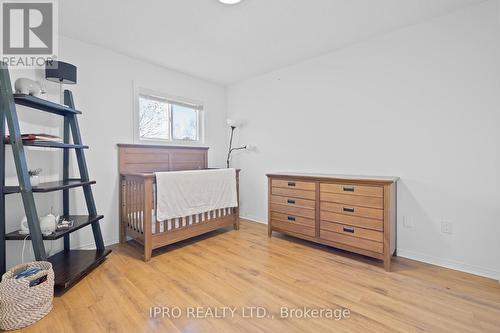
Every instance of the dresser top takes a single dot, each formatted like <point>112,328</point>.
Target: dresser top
<point>319,176</point>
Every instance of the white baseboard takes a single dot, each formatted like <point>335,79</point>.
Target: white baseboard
<point>481,271</point>
<point>459,266</point>
<point>254,219</point>
<point>91,246</point>
<point>476,270</point>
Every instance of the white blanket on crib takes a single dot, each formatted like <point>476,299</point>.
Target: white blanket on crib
<point>184,193</point>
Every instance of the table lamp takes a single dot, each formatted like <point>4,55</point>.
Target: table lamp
<point>61,72</point>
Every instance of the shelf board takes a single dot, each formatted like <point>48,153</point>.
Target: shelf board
<point>79,221</point>
<point>52,144</point>
<point>44,105</point>
<point>51,186</point>
<point>70,266</point>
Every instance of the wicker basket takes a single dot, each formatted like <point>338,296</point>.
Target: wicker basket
<point>22,305</point>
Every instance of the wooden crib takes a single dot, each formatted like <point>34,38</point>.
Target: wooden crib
<point>137,164</point>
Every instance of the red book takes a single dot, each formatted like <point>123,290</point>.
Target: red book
<point>36,137</point>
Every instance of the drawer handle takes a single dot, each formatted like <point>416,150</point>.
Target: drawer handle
<point>292,184</point>
<point>348,188</point>
<point>349,210</point>
<point>348,229</point>
<point>291,218</point>
<point>291,202</point>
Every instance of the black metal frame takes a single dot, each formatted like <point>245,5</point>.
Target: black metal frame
<point>2,173</point>
<point>231,149</point>
<point>8,114</point>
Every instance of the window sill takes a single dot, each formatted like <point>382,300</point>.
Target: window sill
<point>160,144</point>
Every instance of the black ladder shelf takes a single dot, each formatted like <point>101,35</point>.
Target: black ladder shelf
<point>69,265</point>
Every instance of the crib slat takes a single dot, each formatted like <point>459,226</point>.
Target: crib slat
<point>131,195</point>
<point>134,204</point>
<point>143,204</point>
<point>129,211</point>
<point>140,207</point>
<point>125,199</point>
<point>157,224</point>
<point>129,205</point>
<point>134,207</point>
<point>143,207</point>
<point>140,203</point>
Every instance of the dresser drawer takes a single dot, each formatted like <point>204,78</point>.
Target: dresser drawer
<point>293,227</point>
<point>294,193</point>
<point>359,243</point>
<point>290,210</point>
<point>357,221</point>
<point>349,230</point>
<point>356,200</point>
<point>298,185</point>
<point>372,213</point>
<point>294,219</point>
<point>368,191</point>
<point>294,202</point>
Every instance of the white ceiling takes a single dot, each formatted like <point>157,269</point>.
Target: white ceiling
<point>227,44</point>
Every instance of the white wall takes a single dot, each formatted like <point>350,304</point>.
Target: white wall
<point>421,103</point>
<point>104,93</point>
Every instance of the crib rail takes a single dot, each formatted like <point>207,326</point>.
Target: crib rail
<point>136,201</point>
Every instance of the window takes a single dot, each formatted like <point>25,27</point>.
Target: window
<point>153,118</point>
<point>184,123</point>
<point>166,119</point>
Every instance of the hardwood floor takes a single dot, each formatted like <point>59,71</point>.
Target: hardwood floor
<point>246,268</point>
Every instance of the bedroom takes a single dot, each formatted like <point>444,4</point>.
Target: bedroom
<point>406,92</point>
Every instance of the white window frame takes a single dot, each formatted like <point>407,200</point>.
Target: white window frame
<point>138,91</point>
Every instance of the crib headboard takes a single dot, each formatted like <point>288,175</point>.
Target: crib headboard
<point>137,158</point>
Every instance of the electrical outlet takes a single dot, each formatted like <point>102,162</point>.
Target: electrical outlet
<point>407,221</point>
<point>446,227</point>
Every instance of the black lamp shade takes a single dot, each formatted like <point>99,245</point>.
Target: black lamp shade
<point>61,72</point>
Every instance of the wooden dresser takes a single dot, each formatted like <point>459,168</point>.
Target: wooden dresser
<point>353,213</point>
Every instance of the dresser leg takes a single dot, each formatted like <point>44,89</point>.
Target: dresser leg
<point>269,231</point>
<point>387,264</point>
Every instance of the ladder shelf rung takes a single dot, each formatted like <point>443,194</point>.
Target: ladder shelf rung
<point>44,105</point>
<point>52,144</point>
<point>70,266</point>
<point>51,186</point>
<point>79,221</point>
